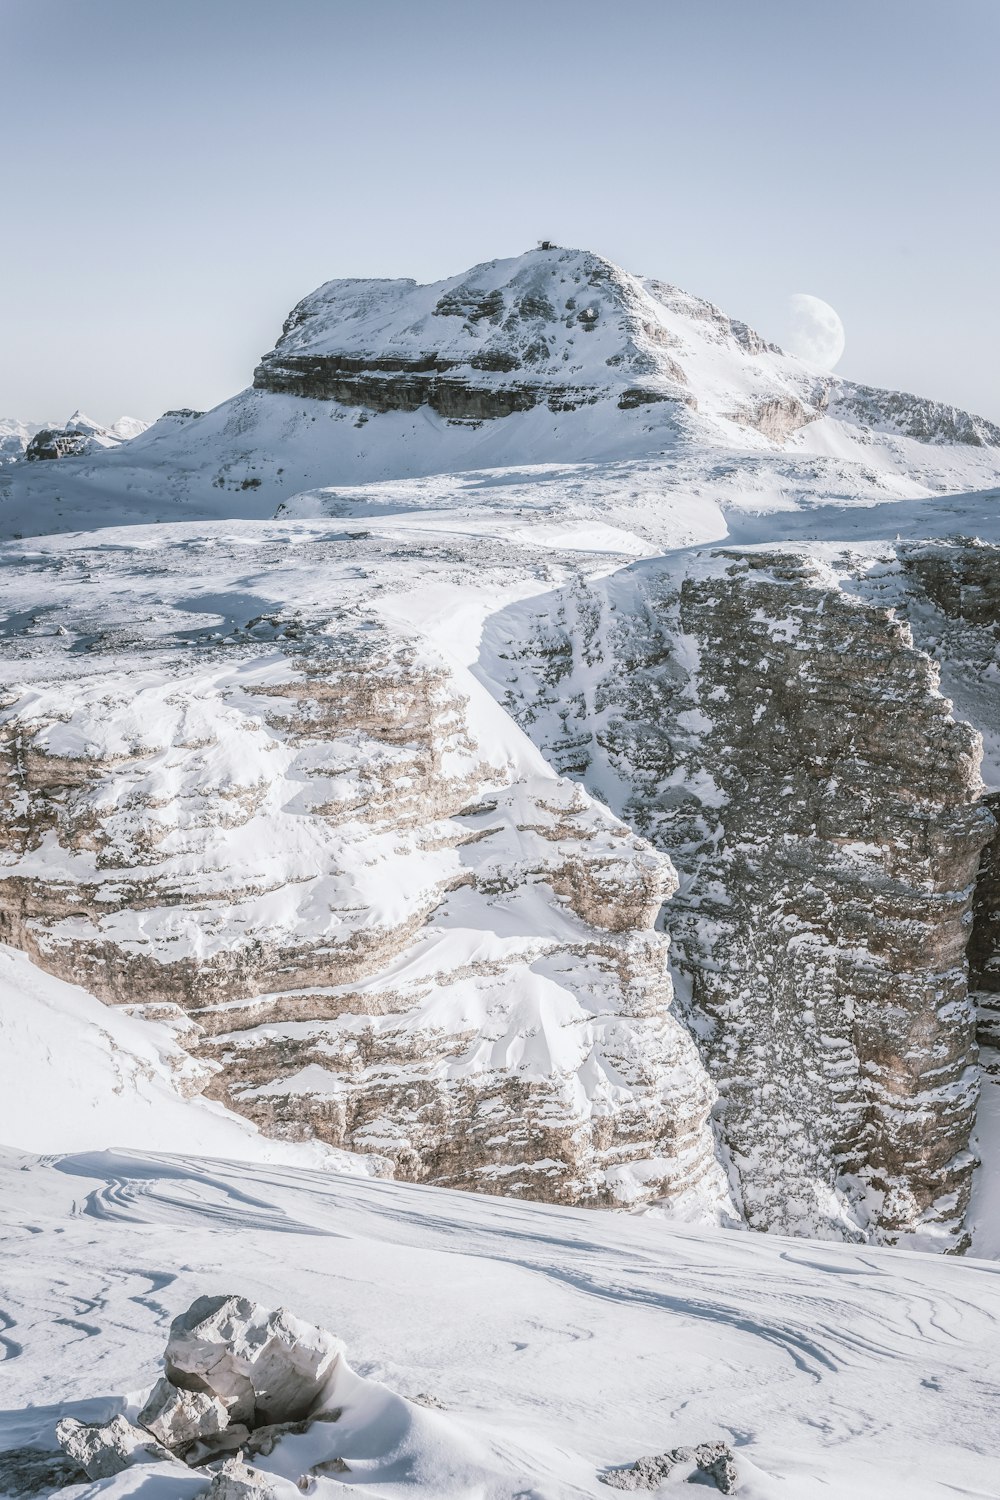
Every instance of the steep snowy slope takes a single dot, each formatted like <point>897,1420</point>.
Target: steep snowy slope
<point>84,1075</point>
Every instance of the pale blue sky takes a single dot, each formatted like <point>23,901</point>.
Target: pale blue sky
<point>179,172</point>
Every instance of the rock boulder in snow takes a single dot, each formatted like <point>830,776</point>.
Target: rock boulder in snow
<point>239,1377</point>
<point>239,1481</point>
<point>263,1367</point>
<point>106,1448</point>
<point>177,1417</point>
<point>708,1463</point>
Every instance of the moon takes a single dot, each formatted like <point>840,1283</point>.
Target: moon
<point>813,330</point>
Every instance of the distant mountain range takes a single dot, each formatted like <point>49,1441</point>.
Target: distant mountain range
<point>80,435</point>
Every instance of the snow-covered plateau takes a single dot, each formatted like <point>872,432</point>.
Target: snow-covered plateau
<point>539,739</point>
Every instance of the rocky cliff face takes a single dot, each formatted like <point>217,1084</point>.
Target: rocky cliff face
<point>788,744</point>
<point>949,591</point>
<point>377,928</point>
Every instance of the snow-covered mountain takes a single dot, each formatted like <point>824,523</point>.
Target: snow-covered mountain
<point>15,436</point>
<point>127,428</point>
<point>14,427</point>
<point>556,796</point>
<point>566,329</point>
<point>75,438</point>
<point>538,739</point>
<point>555,356</point>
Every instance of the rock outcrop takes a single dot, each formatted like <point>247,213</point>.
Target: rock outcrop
<point>369,924</point>
<point>239,1379</point>
<point>255,1367</point>
<point>239,1481</point>
<point>103,1449</point>
<point>788,743</point>
<point>57,442</point>
<point>707,1464</point>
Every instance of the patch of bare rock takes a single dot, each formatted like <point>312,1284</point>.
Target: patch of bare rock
<point>708,1463</point>
<point>239,1378</point>
<point>35,1471</point>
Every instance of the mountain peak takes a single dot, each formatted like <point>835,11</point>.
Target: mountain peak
<point>567,328</point>
<point>556,325</point>
<point>552,356</point>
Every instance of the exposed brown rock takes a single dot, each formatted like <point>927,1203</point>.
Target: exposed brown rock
<point>787,743</point>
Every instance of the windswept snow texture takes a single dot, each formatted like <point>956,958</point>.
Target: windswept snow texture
<point>503,1349</point>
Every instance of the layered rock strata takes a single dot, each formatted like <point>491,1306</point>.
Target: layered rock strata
<point>370,924</point>
<point>560,328</point>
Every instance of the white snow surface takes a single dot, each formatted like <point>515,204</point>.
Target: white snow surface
<point>557,1342</point>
